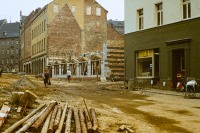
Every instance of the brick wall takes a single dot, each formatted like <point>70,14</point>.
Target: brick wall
<point>64,35</point>
<point>95,28</point>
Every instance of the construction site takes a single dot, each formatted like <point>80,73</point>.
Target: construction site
<point>88,105</point>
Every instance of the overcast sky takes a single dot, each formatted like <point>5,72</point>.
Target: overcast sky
<point>10,9</point>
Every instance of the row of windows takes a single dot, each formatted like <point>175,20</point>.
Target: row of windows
<point>9,42</point>
<point>39,47</point>
<point>39,29</point>
<point>10,51</point>
<point>159,13</point>
<point>9,61</point>
<point>88,10</point>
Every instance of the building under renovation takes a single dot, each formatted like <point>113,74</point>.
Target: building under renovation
<point>74,35</point>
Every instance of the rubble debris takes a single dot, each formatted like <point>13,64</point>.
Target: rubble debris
<point>17,124</point>
<point>125,128</point>
<point>3,114</point>
<point>28,98</point>
<point>19,109</point>
<point>24,82</point>
<point>16,96</point>
<point>53,117</point>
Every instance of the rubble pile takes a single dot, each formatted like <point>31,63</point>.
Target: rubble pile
<point>55,118</point>
<point>24,82</point>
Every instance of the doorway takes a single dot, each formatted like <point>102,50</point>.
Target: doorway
<point>178,65</point>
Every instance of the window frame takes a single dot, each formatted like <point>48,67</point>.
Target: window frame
<point>98,11</point>
<point>73,9</point>
<point>159,13</point>
<point>186,9</point>
<point>140,14</point>
<point>88,10</point>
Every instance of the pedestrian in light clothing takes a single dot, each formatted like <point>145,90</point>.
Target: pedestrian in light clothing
<point>68,75</point>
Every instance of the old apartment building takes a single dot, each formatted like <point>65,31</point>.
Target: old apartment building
<point>65,35</point>
<point>9,46</point>
<point>162,41</point>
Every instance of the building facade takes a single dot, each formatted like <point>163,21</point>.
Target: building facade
<point>67,34</point>
<point>117,25</point>
<point>161,41</point>
<point>9,46</point>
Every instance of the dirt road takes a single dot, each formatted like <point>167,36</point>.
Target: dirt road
<point>145,112</point>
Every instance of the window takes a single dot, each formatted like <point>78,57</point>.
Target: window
<point>186,9</point>
<point>55,8</point>
<point>17,42</point>
<point>2,43</point>
<point>8,51</point>
<point>147,63</point>
<point>7,61</point>
<point>2,61</point>
<point>8,42</point>
<point>140,19</point>
<point>17,51</point>
<point>2,51</point>
<point>73,9</point>
<point>11,51</point>
<point>16,61</point>
<point>44,25</point>
<point>98,11</point>
<point>159,8</point>
<point>11,61</point>
<point>88,10</point>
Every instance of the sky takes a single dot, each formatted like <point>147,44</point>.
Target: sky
<point>10,9</point>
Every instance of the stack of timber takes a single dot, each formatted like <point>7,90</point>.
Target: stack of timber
<point>57,119</point>
<point>115,59</point>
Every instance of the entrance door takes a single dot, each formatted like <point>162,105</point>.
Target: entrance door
<point>178,65</point>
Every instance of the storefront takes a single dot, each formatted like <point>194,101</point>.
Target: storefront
<point>159,54</point>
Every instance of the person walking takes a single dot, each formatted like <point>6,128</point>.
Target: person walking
<point>1,71</point>
<point>68,75</point>
<point>46,78</point>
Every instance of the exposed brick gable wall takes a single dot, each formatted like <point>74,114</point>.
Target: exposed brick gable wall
<point>95,28</point>
<point>64,35</point>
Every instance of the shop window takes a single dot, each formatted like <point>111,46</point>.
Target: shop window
<point>147,63</point>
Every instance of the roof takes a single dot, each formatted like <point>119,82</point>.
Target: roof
<point>9,30</point>
<point>23,18</point>
<point>2,22</point>
<point>116,23</point>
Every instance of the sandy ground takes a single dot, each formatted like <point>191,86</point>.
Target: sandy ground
<point>142,111</point>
